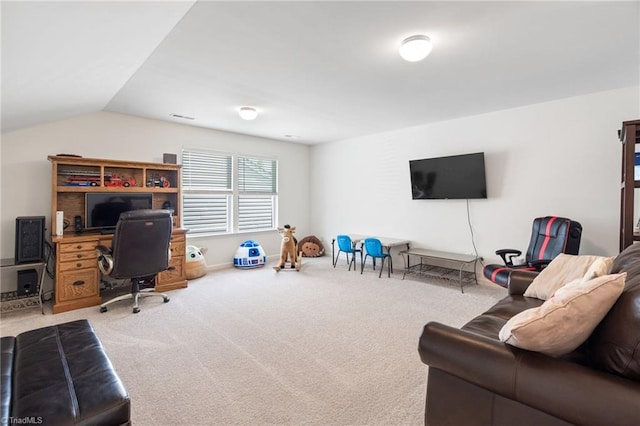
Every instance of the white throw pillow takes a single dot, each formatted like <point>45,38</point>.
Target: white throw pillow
<point>567,319</point>
<point>563,269</point>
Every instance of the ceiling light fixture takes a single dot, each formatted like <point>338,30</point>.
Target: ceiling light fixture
<point>415,48</point>
<point>248,113</point>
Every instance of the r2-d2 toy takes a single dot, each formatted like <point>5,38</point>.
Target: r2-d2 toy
<point>250,254</point>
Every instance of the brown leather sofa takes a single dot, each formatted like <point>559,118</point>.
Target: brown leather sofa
<point>474,379</point>
<point>60,375</point>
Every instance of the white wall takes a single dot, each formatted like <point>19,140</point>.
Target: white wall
<point>26,172</point>
<point>556,158</point>
<point>560,158</point>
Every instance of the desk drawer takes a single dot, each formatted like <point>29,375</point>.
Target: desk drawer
<point>83,263</point>
<point>77,285</point>
<point>177,248</point>
<point>174,274</point>
<point>76,247</point>
<point>105,242</point>
<point>78,255</point>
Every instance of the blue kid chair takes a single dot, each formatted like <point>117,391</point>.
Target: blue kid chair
<point>373,246</point>
<point>346,246</point>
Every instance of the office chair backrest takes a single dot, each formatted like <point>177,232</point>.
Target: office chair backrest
<point>373,247</point>
<point>344,242</point>
<point>141,243</point>
<point>552,235</point>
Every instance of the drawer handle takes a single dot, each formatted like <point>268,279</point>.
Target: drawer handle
<point>79,265</point>
<point>79,246</point>
<point>79,282</point>
<point>171,268</point>
<point>79,256</point>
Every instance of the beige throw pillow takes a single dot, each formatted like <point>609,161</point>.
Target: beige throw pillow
<point>601,266</point>
<point>567,319</point>
<point>564,269</point>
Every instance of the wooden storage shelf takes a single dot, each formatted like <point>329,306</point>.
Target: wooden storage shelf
<point>629,135</point>
<point>85,189</point>
<point>77,279</point>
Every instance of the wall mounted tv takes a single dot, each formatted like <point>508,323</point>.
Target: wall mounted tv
<point>103,208</point>
<point>453,177</point>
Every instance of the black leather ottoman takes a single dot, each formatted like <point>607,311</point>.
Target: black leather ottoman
<point>60,375</point>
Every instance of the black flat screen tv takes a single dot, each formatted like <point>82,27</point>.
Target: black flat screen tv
<point>453,177</point>
<point>103,209</point>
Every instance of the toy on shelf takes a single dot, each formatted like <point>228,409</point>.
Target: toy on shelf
<point>80,177</point>
<point>288,250</point>
<point>311,246</point>
<point>158,181</point>
<point>115,180</point>
<point>196,266</point>
<point>250,254</point>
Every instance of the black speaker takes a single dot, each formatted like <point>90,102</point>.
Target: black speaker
<point>29,239</point>
<point>27,282</point>
<point>78,224</point>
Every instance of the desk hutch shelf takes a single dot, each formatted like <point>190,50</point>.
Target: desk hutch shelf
<point>77,276</point>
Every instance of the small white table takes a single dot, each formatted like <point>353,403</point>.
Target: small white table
<point>461,261</point>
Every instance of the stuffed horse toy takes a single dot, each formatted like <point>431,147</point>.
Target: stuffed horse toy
<point>288,248</point>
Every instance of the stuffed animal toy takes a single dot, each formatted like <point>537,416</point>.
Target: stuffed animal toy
<point>196,266</point>
<point>288,248</point>
<point>311,246</point>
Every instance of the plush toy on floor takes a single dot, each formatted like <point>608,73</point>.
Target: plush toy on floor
<point>288,249</point>
<point>196,266</point>
<point>311,246</point>
<point>250,254</point>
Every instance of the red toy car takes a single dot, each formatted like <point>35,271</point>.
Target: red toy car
<point>115,180</point>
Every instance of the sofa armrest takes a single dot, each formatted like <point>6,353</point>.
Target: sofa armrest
<point>7,350</point>
<point>561,388</point>
<point>519,281</point>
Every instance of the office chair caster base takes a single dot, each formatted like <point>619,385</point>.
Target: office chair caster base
<point>103,309</point>
<point>136,310</point>
<point>166,300</point>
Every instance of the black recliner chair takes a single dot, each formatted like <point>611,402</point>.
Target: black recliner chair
<point>140,250</point>
<point>550,236</point>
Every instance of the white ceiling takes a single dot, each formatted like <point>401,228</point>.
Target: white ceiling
<point>321,71</point>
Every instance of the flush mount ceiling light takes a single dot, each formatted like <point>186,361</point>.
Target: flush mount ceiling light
<point>248,113</point>
<point>415,48</point>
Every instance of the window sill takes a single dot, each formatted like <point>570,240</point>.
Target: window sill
<point>227,234</point>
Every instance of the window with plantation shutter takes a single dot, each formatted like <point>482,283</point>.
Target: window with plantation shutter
<point>257,190</point>
<point>257,175</point>
<point>206,213</point>
<point>206,171</point>
<point>223,193</point>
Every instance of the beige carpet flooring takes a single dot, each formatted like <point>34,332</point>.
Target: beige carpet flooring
<point>322,346</point>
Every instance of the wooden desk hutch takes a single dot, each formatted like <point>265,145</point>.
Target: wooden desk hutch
<point>77,279</point>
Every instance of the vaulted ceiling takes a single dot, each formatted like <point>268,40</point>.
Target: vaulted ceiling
<point>316,71</point>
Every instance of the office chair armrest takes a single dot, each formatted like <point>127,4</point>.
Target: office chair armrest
<point>507,255</point>
<point>105,261</point>
<point>103,250</point>
<point>540,264</point>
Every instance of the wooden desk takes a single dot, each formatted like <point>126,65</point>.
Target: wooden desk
<point>77,279</point>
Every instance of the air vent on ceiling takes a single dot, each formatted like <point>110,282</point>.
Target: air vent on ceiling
<point>184,117</point>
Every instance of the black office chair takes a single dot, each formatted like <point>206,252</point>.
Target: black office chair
<point>550,236</point>
<point>140,250</point>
